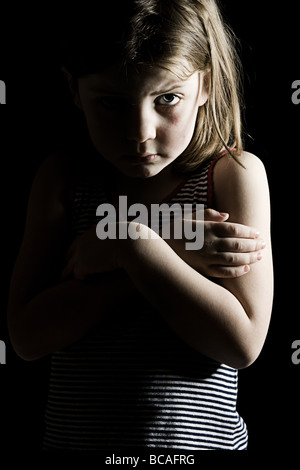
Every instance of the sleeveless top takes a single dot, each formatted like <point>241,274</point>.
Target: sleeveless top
<point>137,384</point>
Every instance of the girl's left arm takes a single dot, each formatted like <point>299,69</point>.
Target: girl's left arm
<point>226,320</point>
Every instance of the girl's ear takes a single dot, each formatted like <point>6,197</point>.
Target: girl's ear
<point>204,88</point>
<point>73,85</point>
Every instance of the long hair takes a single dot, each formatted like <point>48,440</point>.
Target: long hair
<point>162,33</point>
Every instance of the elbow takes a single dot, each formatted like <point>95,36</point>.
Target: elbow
<point>242,362</point>
<point>22,347</point>
<point>245,356</point>
<point>24,354</point>
<point>24,343</point>
<point>246,345</point>
<point>26,351</point>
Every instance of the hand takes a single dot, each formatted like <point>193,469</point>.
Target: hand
<point>229,248</point>
<point>88,255</point>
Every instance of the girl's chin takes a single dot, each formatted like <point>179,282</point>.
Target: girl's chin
<point>147,170</point>
<point>142,171</point>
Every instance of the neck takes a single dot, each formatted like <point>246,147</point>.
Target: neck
<point>149,190</point>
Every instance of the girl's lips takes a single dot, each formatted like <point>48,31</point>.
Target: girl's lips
<point>146,158</point>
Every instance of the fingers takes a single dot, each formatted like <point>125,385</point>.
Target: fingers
<point>229,249</point>
<point>228,272</point>
<point>239,245</point>
<point>232,237</point>
<point>207,215</point>
<point>233,230</point>
<point>215,216</point>
<point>237,259</point>
<point>231,264</point>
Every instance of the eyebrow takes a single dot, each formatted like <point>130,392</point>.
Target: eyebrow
<point>164,91</point>
<point>118,93</point>
<point>106,91</point>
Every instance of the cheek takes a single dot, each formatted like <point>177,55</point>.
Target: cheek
<point>175,119</point>
<point>102,131</point>
<point>182,127</point>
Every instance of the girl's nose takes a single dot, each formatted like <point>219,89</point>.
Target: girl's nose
<point>140,125</point>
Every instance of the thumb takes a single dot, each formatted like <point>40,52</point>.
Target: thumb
<point>215,216</point>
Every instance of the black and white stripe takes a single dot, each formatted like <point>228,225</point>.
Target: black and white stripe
<point>133,383</point>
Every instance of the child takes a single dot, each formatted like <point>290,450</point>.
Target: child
<point>146,336</point>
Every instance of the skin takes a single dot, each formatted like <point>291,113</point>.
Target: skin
<point>152,112</point>
<point>221,318</point>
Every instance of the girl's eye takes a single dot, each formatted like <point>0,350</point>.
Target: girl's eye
<point>168,99</point>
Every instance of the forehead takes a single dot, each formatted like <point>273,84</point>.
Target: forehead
<point>146,79</point>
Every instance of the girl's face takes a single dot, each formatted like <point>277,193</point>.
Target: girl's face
<point>143,121</point>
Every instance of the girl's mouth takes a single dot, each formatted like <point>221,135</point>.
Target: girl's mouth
<point>143,158</point>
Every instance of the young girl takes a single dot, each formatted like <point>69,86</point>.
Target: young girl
<point>146,337</point>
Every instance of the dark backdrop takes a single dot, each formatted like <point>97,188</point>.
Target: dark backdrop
<point>37,118</point>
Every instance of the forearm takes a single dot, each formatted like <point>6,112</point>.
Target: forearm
<point>62,314</point>
<point>205,315</point>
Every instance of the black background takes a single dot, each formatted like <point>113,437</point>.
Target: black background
<point>37,117</point>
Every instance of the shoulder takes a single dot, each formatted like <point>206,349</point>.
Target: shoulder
<point>54,170</point>
<point>51,191</point>
<point>227,167</point>
<point>241,189</point>
<point>54,177</point>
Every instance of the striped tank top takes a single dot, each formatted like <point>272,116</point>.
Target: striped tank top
<point>136,384</point>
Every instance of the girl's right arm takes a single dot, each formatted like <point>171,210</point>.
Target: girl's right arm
<point>44,314</point>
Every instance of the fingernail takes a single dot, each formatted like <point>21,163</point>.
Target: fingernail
<point>263,244</point>
<point>246,269</point>
<point>259,256</point>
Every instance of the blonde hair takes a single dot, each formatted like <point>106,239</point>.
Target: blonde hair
<point>162,33</point>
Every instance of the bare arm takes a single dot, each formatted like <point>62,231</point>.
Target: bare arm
<point>228,320</point>
<point>44,314</point>
<point>62,314</point>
